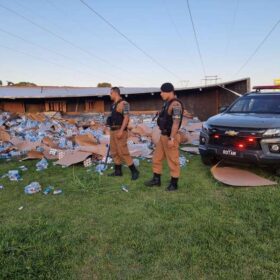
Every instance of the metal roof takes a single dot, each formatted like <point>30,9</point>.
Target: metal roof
<point>66,92</point>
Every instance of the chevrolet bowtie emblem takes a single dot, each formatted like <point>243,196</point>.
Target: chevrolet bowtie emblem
<point>231,133</point>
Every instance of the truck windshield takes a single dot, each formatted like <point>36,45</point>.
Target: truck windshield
<point>262,104</point>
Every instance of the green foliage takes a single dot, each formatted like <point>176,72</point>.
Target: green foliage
<point>104,84</point>
<point>21,84</point>
<point>24,84</point>
<point>9,83</point>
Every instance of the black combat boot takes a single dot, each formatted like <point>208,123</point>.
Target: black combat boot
<point>134,172</point>
<point>117,172</point>
<point>155,181</point>
<point>173,185</point>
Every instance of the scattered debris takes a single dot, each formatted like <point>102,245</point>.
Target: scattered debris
<point>34,155</point>
<point>58,191</point>
<point>73,139</point>
<point>53,152</point>
<point>48,190</point>
<point>32,188</point>
<point>191,150</point>
<point>139,150</point>
<point>124,188</point>
<point>99,149</point>
<point>20,208</point>
<point>87,162</point>
<point>183,161</point>
<point>234,176</point>
<point>100,168</point>
<point>42,164</point>
<point>86,140</point>
<point>4,136</point>
<point>23,168</point>
<point>136,162</point>
<point>73,157</point>
<point>195,126</point>
<point>14,175</point>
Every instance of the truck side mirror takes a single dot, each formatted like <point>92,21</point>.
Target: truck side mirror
<point>223,109</point>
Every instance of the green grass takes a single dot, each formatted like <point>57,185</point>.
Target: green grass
<point>96,231</point>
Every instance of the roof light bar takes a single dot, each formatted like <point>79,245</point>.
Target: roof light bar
<point>266,87</point>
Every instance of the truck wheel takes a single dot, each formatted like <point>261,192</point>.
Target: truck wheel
<point>209,159</point>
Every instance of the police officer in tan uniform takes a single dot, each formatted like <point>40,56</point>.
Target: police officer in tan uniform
<point>169,122</point>
<point>118,122</point>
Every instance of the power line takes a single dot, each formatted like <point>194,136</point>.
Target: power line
<point>258,47</point>
<point>232,25</point>
<point>58,36</point>
<point>66,14</point>
<point>179,34</point>
<point>196,38</point>
<point>85,28</point>
<point>173,22</point>
<point>129,40</point>
<point>40,58</point>
<point>32,43</point>
<point>44,48</point>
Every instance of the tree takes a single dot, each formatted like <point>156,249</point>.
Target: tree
<point>9,83</point>
<point>104,84</point>
<point>20,84</point>
<point>1,84</point>
<point>24,84</point>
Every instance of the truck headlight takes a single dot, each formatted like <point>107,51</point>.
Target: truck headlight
<point>272,132</point>
<point>274,148</point>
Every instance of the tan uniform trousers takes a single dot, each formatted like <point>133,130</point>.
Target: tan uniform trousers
<point>170,154</point>
<point>119,149</point>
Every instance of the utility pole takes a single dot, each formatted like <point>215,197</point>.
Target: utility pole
<point>211,79</point>
<point>184,83</point>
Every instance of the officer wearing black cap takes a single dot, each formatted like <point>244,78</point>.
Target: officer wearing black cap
<point>169,121</point>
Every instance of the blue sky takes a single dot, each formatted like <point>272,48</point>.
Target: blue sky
<point>228,32</point>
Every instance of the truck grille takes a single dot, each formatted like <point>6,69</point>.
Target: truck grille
<point>250,139</point>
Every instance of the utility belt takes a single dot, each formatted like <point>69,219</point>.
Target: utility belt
<point>114,128</point>
<point>165,132</point>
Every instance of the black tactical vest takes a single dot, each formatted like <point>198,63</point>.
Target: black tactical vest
<point>116,118</point>
<point>165,121</point>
